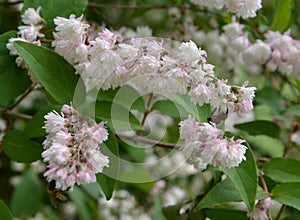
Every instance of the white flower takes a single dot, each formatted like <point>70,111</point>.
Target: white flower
<point>69,39</point>
<point>189,52</point>
<point>200,95</point>
<point>205,144</point>
<point>72,150</point>
<point>32,16</point>
<point>259,52</point>
<point>244,8</point>
<point>295,137</point>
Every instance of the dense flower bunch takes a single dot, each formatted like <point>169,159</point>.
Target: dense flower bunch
<point>233,47</point>
<point>147,64</point>
<point>72,149</point>
<point>29,32</point>
<point>205,144</point>
<point>242,8</point>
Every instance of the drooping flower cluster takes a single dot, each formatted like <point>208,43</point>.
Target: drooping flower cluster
<point>225,48</point>
<point>29,32</point>
<point>232,48</point>
<point>204,144</point>
<point>72,151</point>
<point>260,210</point>
<point>152,65</point>
<point>70,38</point>
<point>242,8</point>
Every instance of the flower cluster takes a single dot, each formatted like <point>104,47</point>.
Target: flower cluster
<point>29,32</point>
<point>70,38</point>
<point>207,145</point>
<point>147,64</point>
<point>242,8</point>
<point>231,48</point>
<point>72,151</point>
<point>225,48</point>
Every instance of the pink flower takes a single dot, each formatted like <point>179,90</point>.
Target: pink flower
<point>72,150</point>
<point>205,144</point>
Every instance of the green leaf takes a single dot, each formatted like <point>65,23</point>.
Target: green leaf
<point>260,127</point>
<point>217,214</point>
<point>117,116</point>
<point>223,192</point>
<point>294,110</point>
<point>288,194</point>
<point>204,112</point>
<point>27,197</point>
<point>80,199</point>
<point>52,9</point>
<point>5,212</point>
<point>157,209</point>
<point>266,145</point>
<point>19,148</point>
<point>34,128</point>
<point>244,177</point>
<point>283,15</point>
<point>282,170</point>
<point>184,101</point>
<point>271,97</point>
<point>169,108</point>
<point>13,80</point>
<point>135,153</point>
<point>126,96</point>
<point>52,71</point>
<point>172,212</point>
<point>107,179</point>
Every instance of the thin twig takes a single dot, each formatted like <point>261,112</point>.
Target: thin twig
<point>135,7</point>
<point>14,115</point>
<point>146,112</point>
<point>31,88</point>
<point>47,41</point>
<point>280,212</point>
<point>265,188</point>
<point>136,139</point>
<point>262,159</point>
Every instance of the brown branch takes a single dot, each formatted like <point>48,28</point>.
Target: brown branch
<point>9,114</point>
<point>280,212</point>
<point>262,159</point>
<point>265,188</point>
<point>135,7</point>
<point>146,112</point>
<point>31,88</point>
<point>136,139</point>
<point>47,41</point>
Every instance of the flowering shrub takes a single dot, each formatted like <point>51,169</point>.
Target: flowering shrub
<point>144,110</point>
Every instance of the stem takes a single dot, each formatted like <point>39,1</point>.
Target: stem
<point>31,88</point>
<point>263,182</point>
<point>10,114</point>
<point>280,212</point>
<point>135,7</point>
<point>136,139</point>
<point>262,159</point>
<point>146,112</point>
<point>265,188</point>
<point>48,41</point>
